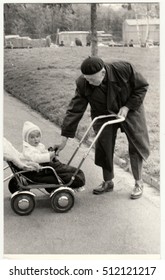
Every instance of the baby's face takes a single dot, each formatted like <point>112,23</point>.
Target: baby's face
<point>34,138</point>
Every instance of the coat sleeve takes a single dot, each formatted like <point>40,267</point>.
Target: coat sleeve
<point>139,87</point>
<point>74,114</point>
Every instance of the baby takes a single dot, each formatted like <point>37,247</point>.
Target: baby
<point>35,151</point>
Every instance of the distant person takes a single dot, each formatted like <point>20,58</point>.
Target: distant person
<point>78,42</point>
<point>9,45</point>
<point>72,44</point>
<point>111,43</point>
<point>48,41</point>
<point>88,39</point>
<point>61,44</point>
<point>131,43</point>
<point>35,151</point>
<point>111,87</point>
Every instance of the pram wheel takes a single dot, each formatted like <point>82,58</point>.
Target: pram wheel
<point>13,185</point>
<point>23,203</point>
<point>62,199</point>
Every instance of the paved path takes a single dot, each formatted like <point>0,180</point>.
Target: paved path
<point>110,224</point>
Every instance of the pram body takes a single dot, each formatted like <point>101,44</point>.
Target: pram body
<point>23,198</point>
<point>61,195</point>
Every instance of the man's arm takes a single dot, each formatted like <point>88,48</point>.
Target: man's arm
<point>71,120</point>
<point>73,115</point>
<point>139,87</point>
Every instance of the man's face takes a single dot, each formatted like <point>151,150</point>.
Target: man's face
<point>96,79</point>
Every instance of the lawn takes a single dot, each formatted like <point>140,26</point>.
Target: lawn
<point>44,78</point>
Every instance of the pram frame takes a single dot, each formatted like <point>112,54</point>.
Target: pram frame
<point>61,187</point>
<point>61,196</point>
<point>117,120</point>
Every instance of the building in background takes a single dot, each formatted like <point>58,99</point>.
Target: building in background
<point>141,30</point>
<point>23,42</point>
<point>68,37</point>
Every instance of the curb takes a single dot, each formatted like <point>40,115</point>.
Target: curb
<point>146,178</point>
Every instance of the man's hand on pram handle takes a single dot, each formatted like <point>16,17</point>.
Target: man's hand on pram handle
<point>58,148</point>
<point>123,112</point>
<point>52,153</point>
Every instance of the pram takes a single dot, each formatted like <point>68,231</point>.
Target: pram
<point>61,195</point>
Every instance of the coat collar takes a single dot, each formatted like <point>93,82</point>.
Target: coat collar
<point>109,76</point>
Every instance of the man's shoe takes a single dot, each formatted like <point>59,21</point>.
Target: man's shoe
<point>105,187</point>
<point>137,191</point>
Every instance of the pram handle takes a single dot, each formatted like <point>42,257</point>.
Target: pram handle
<point>117,120</point>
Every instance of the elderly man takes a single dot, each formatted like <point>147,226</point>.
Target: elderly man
<point>111,87</point>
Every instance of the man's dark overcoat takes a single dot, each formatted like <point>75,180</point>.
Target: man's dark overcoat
<point>125,87</point>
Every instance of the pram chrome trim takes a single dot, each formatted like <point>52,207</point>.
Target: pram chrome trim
<point>22,192</point>
<point>117,120</point>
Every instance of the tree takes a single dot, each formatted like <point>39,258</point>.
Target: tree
<point>42,19</point>
<point>81,19</point>
<point>24,19</point>
<point>94,46</point>
<point>36,19</point>
<point>12,14</point>
<point>61,15</point>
